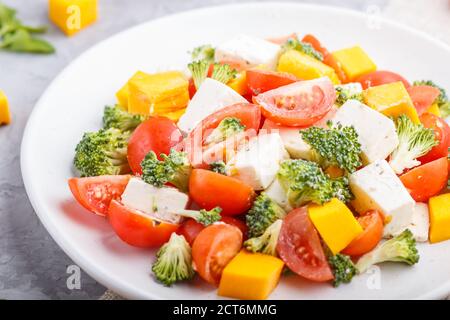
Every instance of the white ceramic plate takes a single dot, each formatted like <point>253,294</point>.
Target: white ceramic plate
<point>74,102</point>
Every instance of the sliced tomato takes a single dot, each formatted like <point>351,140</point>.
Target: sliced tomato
<point>192,88</point>
<point>213,248</point>
<point>259,81</point>
<point>209,190</point>
<point>138,229</point>
<point>441,134</point>
<point>298,104</point>
<point>378,78</point>
<point>157,134</point>
<point>423,97</point>
<point>282,40</point>
<point>95,193</point>
<point>427,180</point>
<point>312,40</point>
<point>300,248</point>
<point>372,223</point>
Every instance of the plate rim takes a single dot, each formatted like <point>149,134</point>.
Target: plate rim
<point>119,285</point>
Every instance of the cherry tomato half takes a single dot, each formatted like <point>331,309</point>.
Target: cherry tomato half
<point>441,134</point>
<point>259,81</point>
<point>423,97</point>
<point>377,78</point>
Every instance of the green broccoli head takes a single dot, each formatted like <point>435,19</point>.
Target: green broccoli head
<point>414,141</point>
<point>223,72</point>
<point>306,48</point>
<point>262,214</point>
<point>199,71</point>
<point>116,117</point>
<point>218,167</point>
<point>343,94</point>
<point>343,269</point>
<point>335,146</point>
<point>102,153</point>
<point>267,242</point>
<point>401,248</point>
<point>341,189</point>
<point>173,261</point>
<point>205,217</point>
<point>204,52</point>
<point>174,168</point>
<point>227,127</point>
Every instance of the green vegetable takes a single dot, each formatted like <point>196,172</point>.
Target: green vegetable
<point>335,146</point>
<point>414,141</point>
<point>306,48</point>
<point>402,248</point>
<point>102,153</point>
<point>343,94</point>
<point>262,214</point>
<point>116,117</point>
<point>341,189</point>
<point>267,242</point>
<point>343,269</point>
<point>18,37</point>
<point>218,167</point>
<point>202,216</point>
<point>442,100</point>
<point>205,52</point>
<point>223,72</point>
<point>200,68</point>
<point>173,261</point>
<point>174,168</point>
<point>228,127</point>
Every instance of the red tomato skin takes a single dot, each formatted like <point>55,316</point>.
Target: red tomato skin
<point>380,77</point>
<point>427,180</point>
<point>85,191</point>
<point>282,40</point>
<point>441,134</point>
<point>259,81</point>
<point>138,229</point>
<point>158,134</point>
<point>423,97</point>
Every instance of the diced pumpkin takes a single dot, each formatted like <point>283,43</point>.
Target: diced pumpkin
<point>335,223</point>
<point>392,100</point>
<point>175,115</point>
<point>354,61</point>
<point>71,16</point>
<point>250,276</point>
<point>5,115</point>
<point>239,84</point>
<point>434,109</point>
<point>122,96</point>
<point>305,67</point>
<point>439,218</point>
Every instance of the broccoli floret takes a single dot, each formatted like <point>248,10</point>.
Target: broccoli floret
<point>227,127</point>
<point>343,94</point>
<point>102,153</point>
<point>442,100</point>
<point>174,168</point>
<point>306,48</point>
<point>335,146</point>
<point>343,269</point>
<point>218,167</point>
<point>202,216</point>
<point>199,70</point>
<point>173,261</point>
<point>223,72</point>
<point>115,117</point>
<point>267,242</point>
<point>205,52</point>
<point>402,248</point>
<point>262,214</point>
<point>414,141</point>
<point>341,189</point>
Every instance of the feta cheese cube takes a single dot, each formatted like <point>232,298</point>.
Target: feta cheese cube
<point>352,87</point>
<point>160,203</point>
<point>210,97</point>
<point>258,162</point>
<point>421,222</point>
<point>249,50</point>
<point>276,192</point>
<point>376,132</point>
<point>376,186</point>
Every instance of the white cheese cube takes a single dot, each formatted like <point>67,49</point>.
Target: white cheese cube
<point>276,192</point>
<point>376,186</point>
<point>376,132</point>
<point>160,203</point>
<point>352,87</point>
<point>258,162</point>
<point>210,97</point>
<point>420,223</point>
<point>249,50</point>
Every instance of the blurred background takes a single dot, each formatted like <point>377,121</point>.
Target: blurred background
<point>31,264</point>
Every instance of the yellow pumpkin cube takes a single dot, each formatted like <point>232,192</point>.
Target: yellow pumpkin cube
<point>439,218</point>
<point>250,276</point>
<point>175,115</point>
<point>122,96</point>
<point>5,115</point>
<point>392,100</point>
<point>239,84</point>
<point>354,61</point>
<point>305,67</point>
<point>71,16</point>
<point>434,109</point>
<point>336,224</point>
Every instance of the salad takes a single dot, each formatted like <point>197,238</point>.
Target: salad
<point>266,156</point>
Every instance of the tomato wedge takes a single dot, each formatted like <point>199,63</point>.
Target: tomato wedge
<point>156,134</point>
<point>378,78</point>
<point>213,248</point>
<point>282,40</point>
<point>259,81</point>
<point>298,104</point>
<point>95,193</point>
<point>300,248</point>
<point>138,229</point>
<point>209,190</point>
<point>372,223</point>
<point>441,133</point>
<point>427,180</point>
<point>423,97</point>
